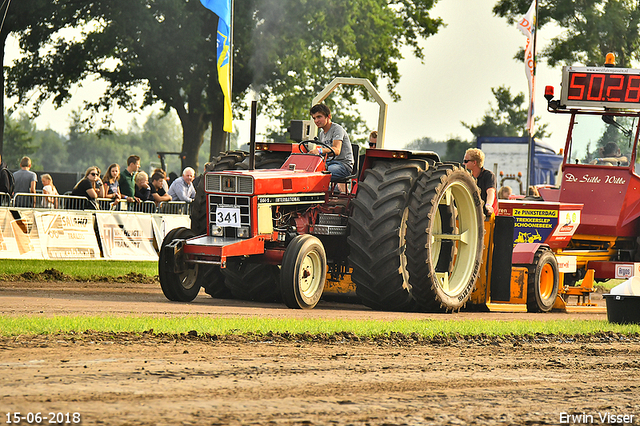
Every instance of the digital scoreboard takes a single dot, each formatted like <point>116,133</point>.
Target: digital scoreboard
<point>600,87</point>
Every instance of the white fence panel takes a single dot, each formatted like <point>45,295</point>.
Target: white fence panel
<point>67,235</point>
<point>19,237</point>
<point>126,236</point>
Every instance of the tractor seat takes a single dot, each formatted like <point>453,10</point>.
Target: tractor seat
<point>355,151</point>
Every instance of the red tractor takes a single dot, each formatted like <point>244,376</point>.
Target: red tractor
<point>600,169</point>
<point>282,233</point>
<point>407,234</point>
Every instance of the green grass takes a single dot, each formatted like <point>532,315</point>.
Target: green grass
<point>608,285</point>
<point>79,268</point>
<point>11,326</point>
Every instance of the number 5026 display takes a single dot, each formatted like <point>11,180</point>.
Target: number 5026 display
<point>600,87</point>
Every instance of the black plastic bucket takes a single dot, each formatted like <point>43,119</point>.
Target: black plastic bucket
<point>623,309</point>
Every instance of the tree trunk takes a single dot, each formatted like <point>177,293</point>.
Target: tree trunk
<point>193,127</point>
<point>218,136</point>
<point>3,40</point>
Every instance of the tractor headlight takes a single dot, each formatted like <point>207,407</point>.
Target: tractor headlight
<point>217,231</point>
<point>243,232</point>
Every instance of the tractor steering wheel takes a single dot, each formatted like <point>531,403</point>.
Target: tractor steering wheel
<point>330,155</point>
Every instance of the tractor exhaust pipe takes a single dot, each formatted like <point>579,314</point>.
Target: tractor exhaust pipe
<point>252,141</point>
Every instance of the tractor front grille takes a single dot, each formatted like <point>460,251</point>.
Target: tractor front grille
<point>233,201</point>
<point>228,183</point>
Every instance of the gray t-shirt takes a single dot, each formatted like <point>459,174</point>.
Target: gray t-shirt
<point>336,132</point>
<point>23,180</point>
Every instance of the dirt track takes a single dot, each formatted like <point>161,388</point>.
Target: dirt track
<point>155,380</point>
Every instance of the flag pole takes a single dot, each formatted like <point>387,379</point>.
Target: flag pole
<point>231,65</point>
<point>532,148</point>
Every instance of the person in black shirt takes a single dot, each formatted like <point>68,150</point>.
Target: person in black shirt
<point>90,187</point>
<point>158,193</point>
<point>6,180</point>
<point>485,179</point>
<point>143,192</point>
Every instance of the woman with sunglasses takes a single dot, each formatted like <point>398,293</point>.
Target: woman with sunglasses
<point>90,187</point>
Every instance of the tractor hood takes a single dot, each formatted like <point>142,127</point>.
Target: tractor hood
<point>259,182</point>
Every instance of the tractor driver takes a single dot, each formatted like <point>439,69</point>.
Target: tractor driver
<point>333,135</point>
<point>610,155</point>
<point>485,179</point>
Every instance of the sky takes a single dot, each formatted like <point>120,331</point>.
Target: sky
<point>462,63</point>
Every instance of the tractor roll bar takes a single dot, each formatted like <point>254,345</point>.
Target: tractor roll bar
<point>382,112</point>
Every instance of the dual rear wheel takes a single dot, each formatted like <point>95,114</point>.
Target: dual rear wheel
<point>445,232</point>
<point>416,236</point>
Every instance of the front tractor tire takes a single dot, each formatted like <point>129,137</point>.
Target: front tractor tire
<point>377,234</point>
<point>303,272</point>
<point>444,238</point>
<point>178,286</point>
<point>543,281</point>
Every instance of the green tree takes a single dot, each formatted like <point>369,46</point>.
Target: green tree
<point>591,29</point>
<point>428,144</point>
<point>18,141</point>
<point>89,147</point>
<point>452,149</point>
<point>456,148</point>
<point>507,118</point>
<point>285,49</point>
<point>51,155</point>
<point>36,20</point>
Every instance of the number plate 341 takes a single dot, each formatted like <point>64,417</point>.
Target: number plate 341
<point>228,216</point>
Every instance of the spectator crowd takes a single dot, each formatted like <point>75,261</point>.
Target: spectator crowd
<point>128,184</point>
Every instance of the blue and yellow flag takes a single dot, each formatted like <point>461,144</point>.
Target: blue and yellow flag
<point>222,8</point>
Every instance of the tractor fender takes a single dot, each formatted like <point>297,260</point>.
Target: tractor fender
<point>523,253</point>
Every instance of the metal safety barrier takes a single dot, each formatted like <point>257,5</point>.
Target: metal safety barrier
<point>175,207</point>
<point>5,199</point>
<point>72,202</point>
<point>56,202</point>
<point>144,207</point>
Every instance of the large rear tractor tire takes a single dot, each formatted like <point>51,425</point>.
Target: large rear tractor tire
<point>444,238</point>
<point>377,234</point>
<point>183,286</point>
<point>225,161</point>
<point>303,272</point>
<point>252,281</point>
<point>543,281</point>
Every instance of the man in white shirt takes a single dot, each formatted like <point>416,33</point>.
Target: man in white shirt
<point>182,188</point>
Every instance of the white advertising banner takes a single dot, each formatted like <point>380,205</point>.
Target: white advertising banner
<point>126,236</point>
<point>165,223</point>
<point>67,235</point>
<point>19,235</point>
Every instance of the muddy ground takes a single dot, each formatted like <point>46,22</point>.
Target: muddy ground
<point>150,379</point>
